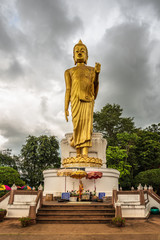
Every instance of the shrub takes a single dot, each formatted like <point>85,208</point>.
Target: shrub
<point>149,177</point>
<point>118,221</point>
<point>3,192</point>
<point>3,213</point>
<point>9,176</point>
<point>25,221</point>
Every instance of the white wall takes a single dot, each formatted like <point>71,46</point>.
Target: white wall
<point>24,198</point>
<point>4,203</point>
<point>153,203</point>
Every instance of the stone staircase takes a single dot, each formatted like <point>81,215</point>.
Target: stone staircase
<point>75,213</point>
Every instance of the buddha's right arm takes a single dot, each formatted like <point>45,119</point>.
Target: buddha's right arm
<point>67,94</point>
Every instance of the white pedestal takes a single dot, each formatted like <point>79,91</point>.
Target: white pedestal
<point>98,149</point>
<point>56,185</point>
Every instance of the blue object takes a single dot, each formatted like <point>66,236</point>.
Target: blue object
<point>154,210</point>
<point>65,195</point>
<point>101,195</point>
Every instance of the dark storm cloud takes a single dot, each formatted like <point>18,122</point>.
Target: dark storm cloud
<point>36,42</point>
<point>15,69</point>
<point>6,43</point>
<point>49,25</point>
<point>34,37</point>
<point>14,132</point>
<point>12,72</point>
<point>126,72</point>
<point>152,5</point>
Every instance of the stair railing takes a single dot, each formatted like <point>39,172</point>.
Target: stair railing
<point>35,205</point>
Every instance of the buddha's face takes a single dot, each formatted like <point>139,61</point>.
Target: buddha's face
<point>80,54</point>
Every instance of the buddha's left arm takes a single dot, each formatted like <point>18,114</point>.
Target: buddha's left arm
<point>67,94</point>
<point>96,80</point>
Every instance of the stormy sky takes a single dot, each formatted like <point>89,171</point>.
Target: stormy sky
<point>36,47</point>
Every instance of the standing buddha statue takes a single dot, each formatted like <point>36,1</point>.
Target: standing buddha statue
<point>82,84</point>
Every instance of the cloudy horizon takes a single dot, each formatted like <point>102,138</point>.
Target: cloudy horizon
<point>36,47</point>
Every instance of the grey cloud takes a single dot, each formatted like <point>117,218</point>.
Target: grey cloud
<point>48,24</point>
<point>6,42</point>
<point>135,9</point>
<point>12,73</point>
<point>15,70</point>
<point>126,73</point>
<point>155,4</point>
<point>15,133</point>
<point>44,104</point>
<point>36,50</point>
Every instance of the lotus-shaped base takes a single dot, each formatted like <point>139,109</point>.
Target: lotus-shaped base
<point>82,162</point>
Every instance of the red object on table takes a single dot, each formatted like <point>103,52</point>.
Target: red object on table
<point>94,175</point>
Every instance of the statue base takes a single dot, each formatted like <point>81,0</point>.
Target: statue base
<point>96,161</point>
<point>82,162</point>
<point>95,153</point>
<point>55,185</point>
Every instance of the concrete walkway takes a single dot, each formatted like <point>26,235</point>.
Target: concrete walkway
<point>134,229</point>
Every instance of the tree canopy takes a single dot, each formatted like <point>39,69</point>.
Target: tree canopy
<point>9,176</point>
<point>109,121</point>
<point>8,161</point>
<point>130,150</point>
<point>38,154</point>
<point>149,177</point>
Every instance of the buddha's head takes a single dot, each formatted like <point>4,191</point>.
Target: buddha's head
<point>80,53</point>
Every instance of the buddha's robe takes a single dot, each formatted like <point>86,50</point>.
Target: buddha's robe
<point>83,91</point>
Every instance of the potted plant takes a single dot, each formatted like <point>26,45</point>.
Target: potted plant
<point>25,221</point>
<point>87,192</point>
<point>118,221</point>
<point>73,196</point>
<point>94,197</point>
<point>86,195</point>
<point>3,213</point>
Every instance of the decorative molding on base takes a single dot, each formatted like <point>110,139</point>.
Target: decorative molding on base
<point>82,162</point>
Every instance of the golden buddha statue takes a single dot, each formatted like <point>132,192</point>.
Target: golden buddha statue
<point>82,84</point>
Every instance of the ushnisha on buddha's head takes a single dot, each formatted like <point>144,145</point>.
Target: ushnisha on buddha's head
<point>80,53</point>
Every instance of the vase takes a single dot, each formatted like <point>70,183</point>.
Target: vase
<point>73,199</point>
<point>2,215</point>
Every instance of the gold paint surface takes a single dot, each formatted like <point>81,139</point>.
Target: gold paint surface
<point>82,162</point>
<point>82,84</point>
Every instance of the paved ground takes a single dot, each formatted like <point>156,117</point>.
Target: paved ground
<point>134,229</point>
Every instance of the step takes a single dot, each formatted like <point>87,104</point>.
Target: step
<point>76,214</point>
<point>70,217</point>
<point>73,221</point>
<point>69,204</point>
<point>72,212</point>
<point>75,207</point>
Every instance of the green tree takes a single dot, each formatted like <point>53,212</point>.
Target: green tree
<point>8,161</point>
<point>148,150</point>
<point>154,128</point>
<point>128,142</point>
<point>116,158</point>
<point>9,176</point>
<point>149,177</point>
<point>109,121</point>
<point>38,154</point>
<point>134,150</point>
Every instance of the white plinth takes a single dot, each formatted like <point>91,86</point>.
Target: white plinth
<point>98,149</point>
<point>56,185</point>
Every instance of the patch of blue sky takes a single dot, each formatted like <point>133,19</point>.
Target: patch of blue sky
<point>14,21</point>
<point>10,14</point>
